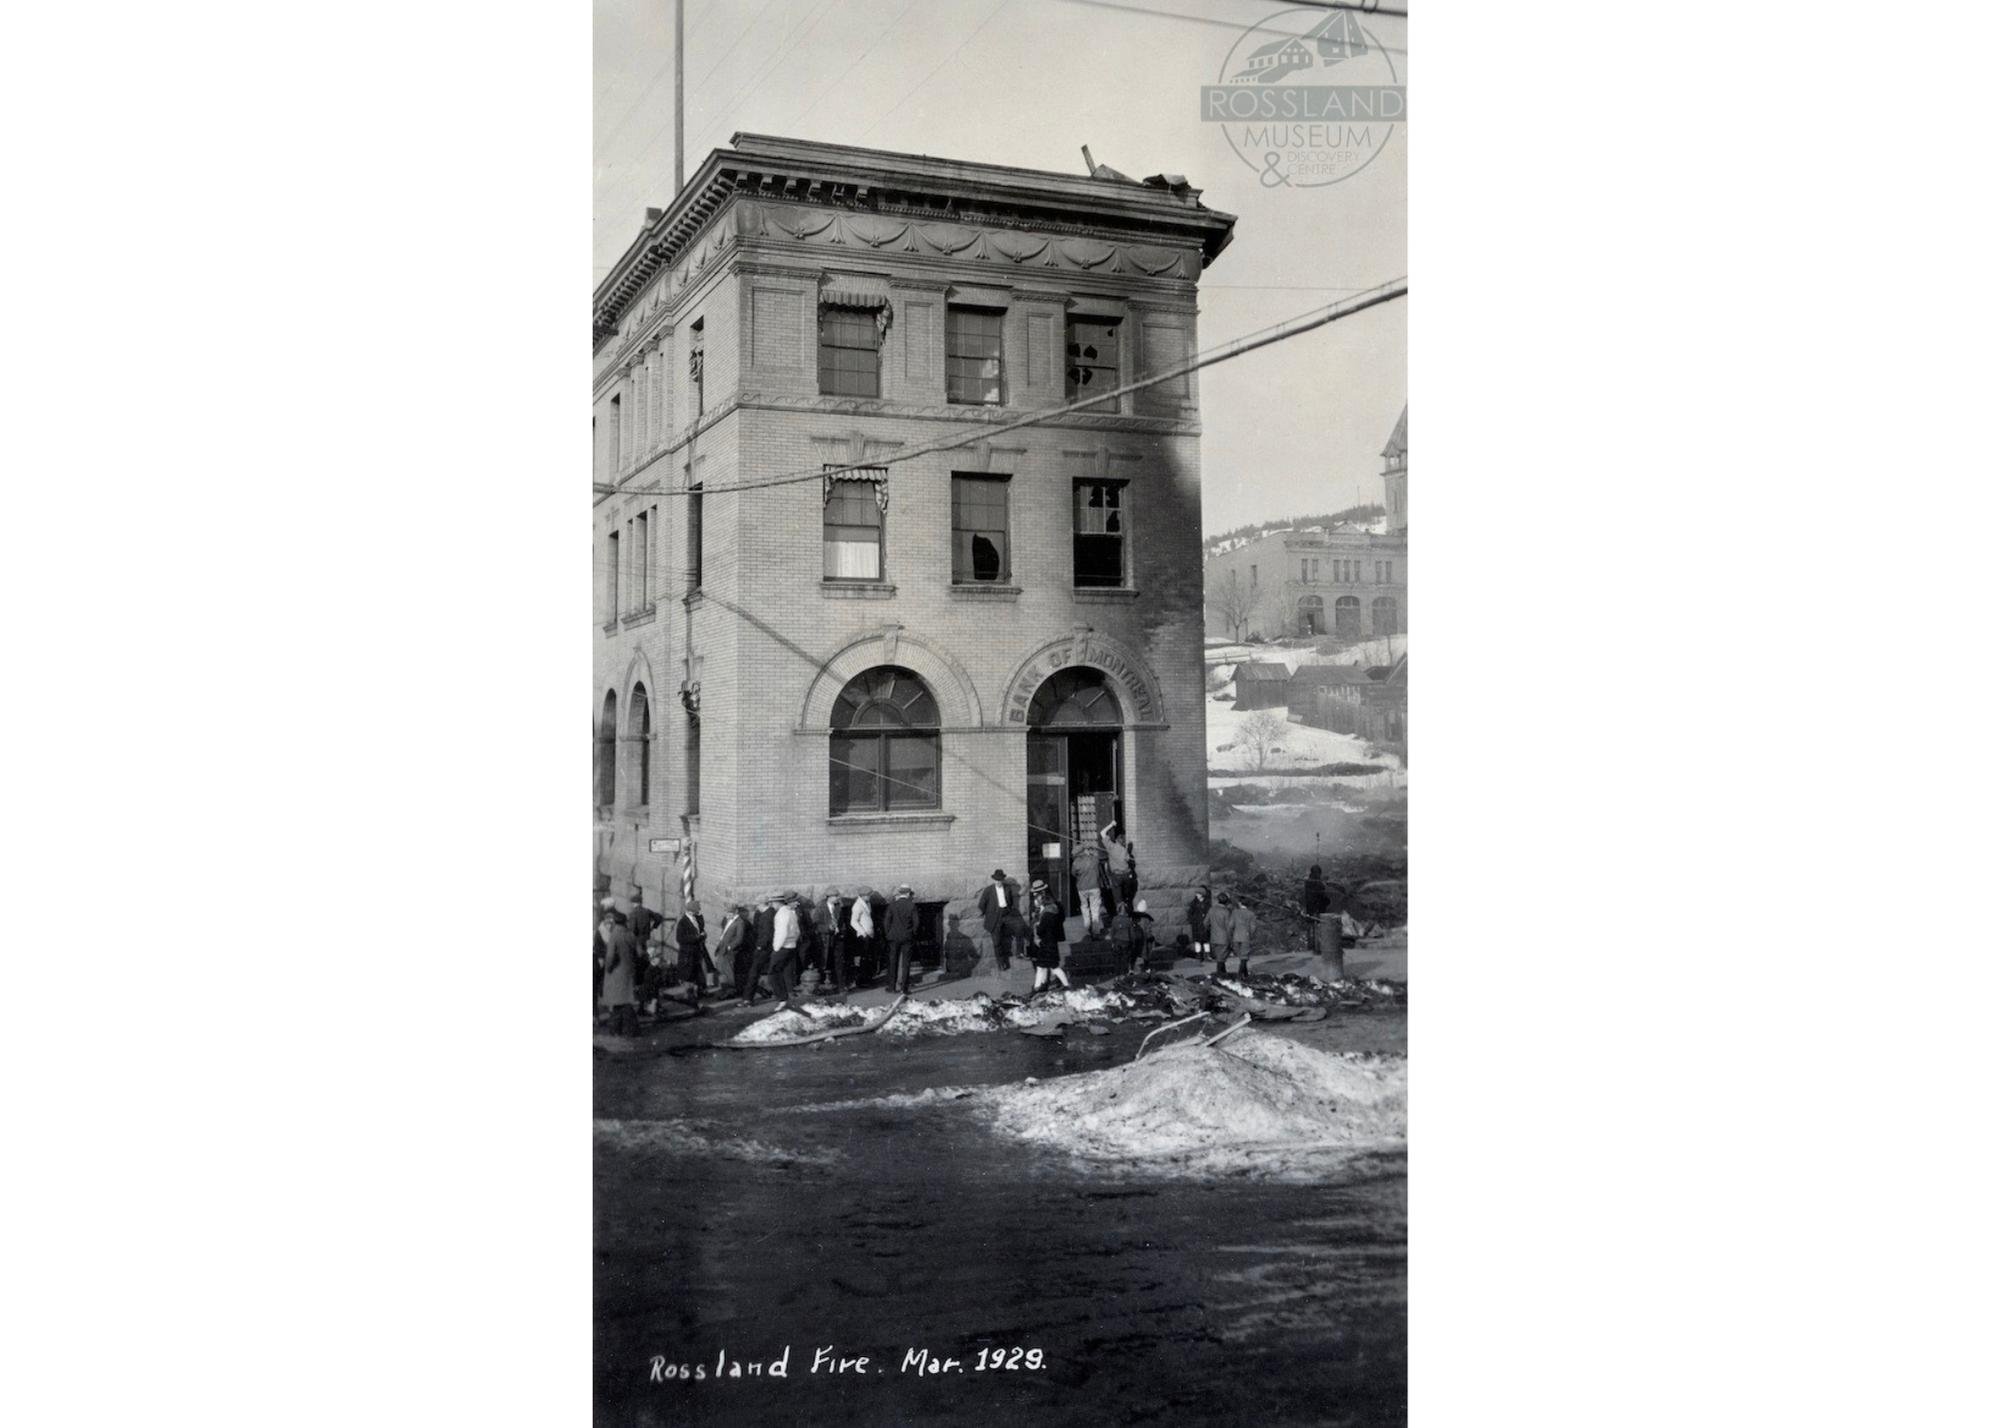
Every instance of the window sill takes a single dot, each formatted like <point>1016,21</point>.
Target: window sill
<point>1105,592</point>
<point>611,626</point>
<point>888,822</point>
<point>639,616</point>
<point>981,590</point>
<point>857,589</point>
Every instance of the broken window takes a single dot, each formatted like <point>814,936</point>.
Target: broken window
<point>1100,533</point>
<point>979,530</point>
<point>1093,358</point>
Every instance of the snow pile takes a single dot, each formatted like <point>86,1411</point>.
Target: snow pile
<point>1256,1104</point>
<point>946,1017</point>
<point>1069,1005</point>
<point>1293,990</point>
<point>803,1020</point>
<point>982,1013</point>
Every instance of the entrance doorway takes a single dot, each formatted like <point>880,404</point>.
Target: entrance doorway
<point>1312,615</point>
<point>1075,773</point>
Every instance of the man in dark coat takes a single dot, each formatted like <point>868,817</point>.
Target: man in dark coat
<point>600,914</point>
<point>641,920</point>
<point>829,920</point>
<point>732,948</point>
<point>1006,922</point>
<point>760,962</point>
<point>1121,872</point>
<point>691,933</point>
<point>1313,901</point>
<point>899,925</point>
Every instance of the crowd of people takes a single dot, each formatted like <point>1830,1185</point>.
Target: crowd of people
<point>765,950</point>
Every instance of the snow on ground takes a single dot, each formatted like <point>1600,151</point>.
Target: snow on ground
<point>1258,1104</point>
<point>1369,652</point>
<point>1304,745</point>
<point>806,1019</point>
<point>945,1016</point>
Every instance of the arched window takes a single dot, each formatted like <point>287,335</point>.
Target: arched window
<point>1347,617</point>
<point>1073,698</point>
<point>1384,611</point>
<point>1312,615</point>
<point>607,752</point>
<point>885,750</point>
<point>640,714</point>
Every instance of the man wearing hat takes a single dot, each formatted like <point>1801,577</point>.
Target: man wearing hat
<point>899,925</point>
<point>1006,923</point>
<point>785,944</point>
<point>760,958</point>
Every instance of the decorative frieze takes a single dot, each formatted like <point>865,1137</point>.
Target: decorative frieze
<point>1001,246</point>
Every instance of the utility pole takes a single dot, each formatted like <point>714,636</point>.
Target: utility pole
<point>680,99</point>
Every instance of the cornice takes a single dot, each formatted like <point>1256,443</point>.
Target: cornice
<point>891,187</point>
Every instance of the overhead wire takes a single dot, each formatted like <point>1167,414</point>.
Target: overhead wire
<point>933,71</point>
<point>1252,28</point>
<point>1263,337</point>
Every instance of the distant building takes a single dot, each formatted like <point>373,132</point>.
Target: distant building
<point>1347,581</point>
<point>1396,476</point>
<point>1369,703</point>
<point>1262,684</point>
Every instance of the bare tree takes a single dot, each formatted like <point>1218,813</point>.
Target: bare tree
<point>1236,604</point>
<point>1263,733</point>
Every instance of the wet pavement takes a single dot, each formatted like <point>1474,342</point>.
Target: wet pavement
<point>754,1202</point>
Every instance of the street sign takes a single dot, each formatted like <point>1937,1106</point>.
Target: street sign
<point>664,845</point>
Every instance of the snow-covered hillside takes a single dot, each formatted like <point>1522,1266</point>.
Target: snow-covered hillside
<point>1303,745</point>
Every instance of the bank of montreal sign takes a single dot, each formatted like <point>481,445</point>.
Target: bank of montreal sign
<point>1281,111</point>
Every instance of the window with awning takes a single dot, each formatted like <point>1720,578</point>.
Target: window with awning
<point>850,350</point>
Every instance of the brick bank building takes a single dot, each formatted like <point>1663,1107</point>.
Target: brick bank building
<point>942,661</point>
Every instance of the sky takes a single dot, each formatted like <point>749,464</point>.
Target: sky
<point>1292,429</point>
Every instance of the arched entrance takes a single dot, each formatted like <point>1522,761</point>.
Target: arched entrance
<point>1075,728</point>
<point>1312,615</point>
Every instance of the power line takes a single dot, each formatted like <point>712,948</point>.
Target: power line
<point>1277,332</point>
<point>798,32</point>
<point>866,50</point>
<point>991,16</point>
<point>659,456</point>
<point>701,83</point>
<point>647,147</point>
<point>1238,27</point>
<point>658,75</point>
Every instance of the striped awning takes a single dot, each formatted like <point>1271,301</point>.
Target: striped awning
<point>854,290</point>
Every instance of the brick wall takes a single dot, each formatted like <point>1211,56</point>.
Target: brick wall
<point>772,642</point>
